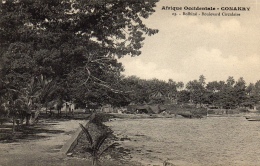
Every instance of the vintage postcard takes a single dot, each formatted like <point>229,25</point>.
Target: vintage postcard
<point>129,82</point>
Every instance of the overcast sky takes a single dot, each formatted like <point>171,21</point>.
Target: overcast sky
<point>188,46</point>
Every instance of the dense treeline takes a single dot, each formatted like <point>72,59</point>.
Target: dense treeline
<point>221,94</point>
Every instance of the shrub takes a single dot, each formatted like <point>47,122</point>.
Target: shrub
<point>243,110</point>
<point>99,118</point>
<point>6,136</point>
<point>94,147</point>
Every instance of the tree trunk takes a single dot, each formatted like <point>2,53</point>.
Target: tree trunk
<point>27,117</point>
<point>14,120</point>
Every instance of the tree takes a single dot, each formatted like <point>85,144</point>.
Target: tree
<point>240,91</point>
<point>171,90</point>
<point>250,88</point>
<point>230,81</point>
<point>137,88</point>
<point>226,98</point>
<point>214,91</point>
<point>179,85</point>
<point>202,80</point>
<point>183,96</point>
<point>159,90</point>
<point>213,86</point>
<point>253,94</point>
<point>197,91</point>
<point>62,39</point>
<point>257,87</point>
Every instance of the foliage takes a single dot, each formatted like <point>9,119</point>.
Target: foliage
<point>183,96</point>
<point>6,136</point>
<point>197,90</point>
<point>229,94</point>
<point>94,147</point>
<point>73,44</point>
<point>152,91</point>
<point>69,49</point>
<point>100,118</point>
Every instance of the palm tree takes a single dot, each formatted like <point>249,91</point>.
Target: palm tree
<point>94,147</point>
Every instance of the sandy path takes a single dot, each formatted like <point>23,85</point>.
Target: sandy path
<point>42,151</point>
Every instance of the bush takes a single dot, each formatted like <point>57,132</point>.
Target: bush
<point>99,118</point>
<point>199,111</point>
<point>6,136</point>
<point>96,141</point>
<point>244,110</point>
<point>210,111</point>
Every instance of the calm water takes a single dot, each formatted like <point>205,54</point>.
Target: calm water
<point>209,141</point>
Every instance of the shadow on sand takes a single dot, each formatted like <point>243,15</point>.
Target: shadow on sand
<point>27,133</point>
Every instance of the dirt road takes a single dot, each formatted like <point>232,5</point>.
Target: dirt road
<point>43,147</point>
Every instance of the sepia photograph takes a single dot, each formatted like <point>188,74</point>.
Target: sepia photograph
<point>129,83</point>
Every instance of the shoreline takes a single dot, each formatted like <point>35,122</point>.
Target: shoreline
<point>187,142</point>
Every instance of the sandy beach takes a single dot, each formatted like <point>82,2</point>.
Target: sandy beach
<point>208,141</point>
